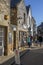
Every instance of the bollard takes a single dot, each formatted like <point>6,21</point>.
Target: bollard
<point>17,57</point>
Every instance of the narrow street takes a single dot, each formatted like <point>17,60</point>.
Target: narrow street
<point>34,57</point>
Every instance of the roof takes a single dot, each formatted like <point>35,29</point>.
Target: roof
<point>41,25</point>
<point>27,8</point>
<point>14,3</point>
<point>33,19</point>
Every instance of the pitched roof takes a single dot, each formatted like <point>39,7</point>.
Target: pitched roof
<point>27,8</point>
<point>41,25</point>
<point>14,3</point>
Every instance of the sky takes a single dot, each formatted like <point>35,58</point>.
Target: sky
<point>37,10</point>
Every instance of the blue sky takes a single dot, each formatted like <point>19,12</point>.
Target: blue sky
<point>37,9</point>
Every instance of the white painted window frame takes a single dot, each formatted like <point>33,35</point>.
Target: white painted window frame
<point>2,40</point>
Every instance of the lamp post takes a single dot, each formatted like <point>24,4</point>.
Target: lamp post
<point>17,55</point>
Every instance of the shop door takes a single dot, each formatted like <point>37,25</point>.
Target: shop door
<point>5,41</point>
<point>14,44</point>
<point>2,41</point>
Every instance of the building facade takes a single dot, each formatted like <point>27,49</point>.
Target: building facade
<point>31,23</point>
<point>19,19</point>
<point>4,23</point>
<point>34,29</point>
<point>34,26</point>
<point>40,30</point>
<point>29,19</point>
<point>15,21</point>
<point>22,23</point>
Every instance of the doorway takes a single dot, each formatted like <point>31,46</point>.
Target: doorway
<point>14,43</point>
<point>5,41</point>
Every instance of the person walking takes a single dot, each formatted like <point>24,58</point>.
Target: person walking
<point>31,39</point>
<point>28,41</point>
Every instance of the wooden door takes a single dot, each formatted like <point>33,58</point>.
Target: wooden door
<point>14,43</point>
<point>5,41</point>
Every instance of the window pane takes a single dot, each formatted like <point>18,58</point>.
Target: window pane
<point>1,29</point>
<point>0,43</point>
<point>0,52</point>
<point>0,38</point>
<point>10,38</point>
<point>3,34</point>
<point>0,33</point>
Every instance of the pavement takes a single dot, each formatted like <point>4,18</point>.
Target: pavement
<point>10,59</point>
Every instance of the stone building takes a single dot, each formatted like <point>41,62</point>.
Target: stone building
<point>29,19</point>
<point>31,23</point>
<point>40,29</point>
<point>13,25</point>
<point>34,29</point>
<point>19,20</point>
<point>4,23</point>
<point>15,21</point>
<point>34,26</point>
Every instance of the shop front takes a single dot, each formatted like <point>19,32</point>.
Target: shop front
<point>22,38</point>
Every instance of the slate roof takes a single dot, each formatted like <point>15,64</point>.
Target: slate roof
<point>41,25</point>
<point>14,3</point>
<point>27,8</point>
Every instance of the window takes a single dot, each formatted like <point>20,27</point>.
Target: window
<point>10,38</point>
<point>24,17</point>
<point>1,36</point>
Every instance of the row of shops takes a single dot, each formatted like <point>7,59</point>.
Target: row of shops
<point>8,40</point>
<point>14,23</point>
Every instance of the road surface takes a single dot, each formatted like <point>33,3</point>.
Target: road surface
<point>33,57</point>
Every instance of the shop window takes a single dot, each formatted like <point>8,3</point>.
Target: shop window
<point>1,36</point>
<point>10,38</point>
<point>0,43</point>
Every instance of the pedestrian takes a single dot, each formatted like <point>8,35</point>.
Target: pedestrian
<point>28,41</point>
<point>31,39</point>
<point>40,40</point>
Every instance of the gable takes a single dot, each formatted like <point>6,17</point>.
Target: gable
<point>14,3</point>
<point>21,5</point>
<point>13,16</point>
<point>27,8</point>
<point>4,10</point>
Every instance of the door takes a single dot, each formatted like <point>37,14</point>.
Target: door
<point>14,43</point>
<point>5,41</point>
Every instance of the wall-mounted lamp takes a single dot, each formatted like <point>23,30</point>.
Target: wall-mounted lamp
<point>6,17</point>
